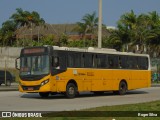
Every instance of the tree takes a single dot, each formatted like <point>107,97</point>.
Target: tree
<point>21,18</point>
<point>7,35</point>
<point>90,21</point>
<point>63,40</point>
<point>129,20</point>
<point>27,19</point>
<point>127,24</point>
<point>88,24</point>
<point>154,22</point>
<point>154,19</point>
<point>138,30</point>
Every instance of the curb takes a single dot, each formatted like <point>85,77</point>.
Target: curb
<point>8,89</point>
<point>155,85</point>
<point>13,87</point>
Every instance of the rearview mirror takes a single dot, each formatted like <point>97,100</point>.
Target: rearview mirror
<point>17,63</point>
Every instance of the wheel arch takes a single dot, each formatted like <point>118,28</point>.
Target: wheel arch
<point>73,81</point>
<point>123,80</point>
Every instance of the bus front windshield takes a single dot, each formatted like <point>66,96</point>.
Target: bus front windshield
<point>34,65</point>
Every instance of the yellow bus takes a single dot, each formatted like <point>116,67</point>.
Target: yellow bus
<point>48,70</point>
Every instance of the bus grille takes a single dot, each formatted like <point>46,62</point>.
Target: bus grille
<point>30,88</point>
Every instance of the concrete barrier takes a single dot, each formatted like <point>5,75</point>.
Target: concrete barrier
<point>8,56</point>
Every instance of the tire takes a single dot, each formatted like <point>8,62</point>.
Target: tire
<point>44,94</point>
<point>8,83</point>
<point>122,88</point>
<point>71,90</point>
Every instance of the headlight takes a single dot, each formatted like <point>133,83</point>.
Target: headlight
<point>44,82</point>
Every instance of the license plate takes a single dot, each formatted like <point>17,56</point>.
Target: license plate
<point>30,88</point>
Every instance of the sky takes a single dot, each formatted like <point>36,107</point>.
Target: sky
<point>72,11</point>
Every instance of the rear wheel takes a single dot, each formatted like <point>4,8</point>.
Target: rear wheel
<point>71,90</point>
<point>122,88</point>
<point>44,94</point>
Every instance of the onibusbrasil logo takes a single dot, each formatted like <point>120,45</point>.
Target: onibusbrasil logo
<point>20,114</point>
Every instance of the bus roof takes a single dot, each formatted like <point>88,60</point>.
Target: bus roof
<point>97,50</point>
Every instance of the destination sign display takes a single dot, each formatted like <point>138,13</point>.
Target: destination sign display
<point>33,50</point>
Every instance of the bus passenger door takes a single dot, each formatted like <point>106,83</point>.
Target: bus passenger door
<point>58,67</point>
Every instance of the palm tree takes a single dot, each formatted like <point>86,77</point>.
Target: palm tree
<point>24,18</point>
<point>21,17</point>
<point>127,25</point>
<point>37,21</point>
<point>154,42</point>
<point>7,32</point>
<point>114,40</point>
<point>154,19</point>
<point>129,20</point>
<point>88,24</point>
<point>91,22</point>
<point>27,19</point>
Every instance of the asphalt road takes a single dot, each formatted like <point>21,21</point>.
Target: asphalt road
<point>16,101</point>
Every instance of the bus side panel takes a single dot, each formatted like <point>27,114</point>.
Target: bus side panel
<point>120,75</point>
<point>98,80</point>
<point>108,79</point>
<point>61,86</point>
<point>140,79</point>
<point>61,80</point>
<point>53,84</point>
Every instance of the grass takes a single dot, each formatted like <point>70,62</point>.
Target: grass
<point>156,82</point>
<point>100,112</point>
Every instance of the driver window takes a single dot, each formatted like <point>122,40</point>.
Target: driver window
<point>56,63</point>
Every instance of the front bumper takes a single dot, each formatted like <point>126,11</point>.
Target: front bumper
<point>34,88</point>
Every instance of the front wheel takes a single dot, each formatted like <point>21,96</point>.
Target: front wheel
<point>44,94</point>
<point>71,90</point>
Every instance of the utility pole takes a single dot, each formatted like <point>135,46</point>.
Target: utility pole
<point>100,24</point>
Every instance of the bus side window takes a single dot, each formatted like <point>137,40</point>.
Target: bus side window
<point>62,60</point>
<point>129,62</point>
<point>113,61</point>
<point>143,63</point>
<point>122,62</point>
<point>102,61</point>
<point>119,62</point>
<point>134,62</point>
<point>71,60</point>
<point>77,60</point>
<point>110,62</point>
<point>95,60</point>
<point>82,60</point>
<point>88,61</point>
